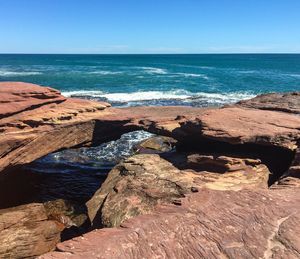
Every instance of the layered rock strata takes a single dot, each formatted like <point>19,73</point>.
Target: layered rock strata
<point>230,191</point>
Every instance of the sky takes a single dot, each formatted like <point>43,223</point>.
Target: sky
<point>149,26</point>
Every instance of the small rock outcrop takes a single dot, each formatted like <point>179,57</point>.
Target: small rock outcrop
<point>287,102</point>
<point>156,144</point>
<point>141,182</point>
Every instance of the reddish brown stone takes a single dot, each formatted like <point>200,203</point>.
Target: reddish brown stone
<point>141,182</point>
<point>31,131</point>
<point>208,224</point>
<point>26,231</point>
<point>226,214</point>
<point>288,102</point>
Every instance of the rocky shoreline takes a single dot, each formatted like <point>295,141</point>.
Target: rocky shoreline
<point>220,183</point>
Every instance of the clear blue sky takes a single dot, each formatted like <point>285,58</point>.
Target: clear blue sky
<point>149,26</point>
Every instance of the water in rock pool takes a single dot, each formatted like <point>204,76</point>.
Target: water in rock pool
<point>72,174</point>
<point>133,80</point>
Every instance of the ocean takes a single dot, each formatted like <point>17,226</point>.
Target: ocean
<point>133,80</point>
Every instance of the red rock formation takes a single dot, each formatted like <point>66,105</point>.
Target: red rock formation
<point>288,102</point>
<point>141,182</point>
<point>208,224</point>
<point>35,121</point>
<point>228,210</point>
<point>17,97</point>
<point>64,123</point>
<point>26,231</point>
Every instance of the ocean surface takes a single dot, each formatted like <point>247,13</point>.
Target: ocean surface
<point>131,80</point>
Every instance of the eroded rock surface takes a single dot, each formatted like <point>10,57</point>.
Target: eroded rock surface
<point>288,102</point>
<point>141,182</point>
<point>37,121</point>
<point>209,199</point>
<point>208,224</point>
<point>26,231</point>
<point>241,126</point>
<point>156,144</point>
<point>42,116</point>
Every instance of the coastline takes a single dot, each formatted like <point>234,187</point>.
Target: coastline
<point>225,160</point>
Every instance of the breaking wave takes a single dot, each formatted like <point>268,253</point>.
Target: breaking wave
<point>6,73</point>
<point>174,97</point>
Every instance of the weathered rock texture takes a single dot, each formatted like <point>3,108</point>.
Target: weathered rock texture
<point>288,102</point>
<point>141,182</point>
<point>208,224</point>
<point>292,176</point>
<point>156,144</point>
<point>210,200</point>
<point>37,121</point>
<point>26,231</point>
<point>240,126</point>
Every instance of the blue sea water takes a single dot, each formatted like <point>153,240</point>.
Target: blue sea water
<point>130,80</point>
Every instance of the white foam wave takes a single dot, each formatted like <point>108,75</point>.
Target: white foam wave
<point>6,73</point>
<point>154,70</point>
<point>247,71</point>
<point>193,75</point>
<point>87,93</point>
<point>102,72</point>
<point>145,96</point>
<point>180,94</point>
<point>218,98</point>
<point>295,75</point>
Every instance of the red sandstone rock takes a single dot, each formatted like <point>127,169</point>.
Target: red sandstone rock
<point>288,102</point>
<point>17,97</point>
<point>240,126</point>
<point>226,214</point>
<point>26,231</point>
<point>208,224</point>
<point>32,131</point>
<point>141,182</point>
<point>156,144</point>
<point>35,121</point>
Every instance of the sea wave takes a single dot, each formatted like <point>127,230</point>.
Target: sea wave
<point>180,95</point>
<point>6,73</point>
<point>104,72</point>
<point>154,70</point>
<point>135,96</point>
<point>83,93</point>
<point>248,71</point>
<point>223,98</point>
<point>192,75</point>
<point>294,75</point>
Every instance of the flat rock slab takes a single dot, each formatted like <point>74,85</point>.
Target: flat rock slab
<point>17,97</point>
<point>241,126</point>
<point>208,224</point>
<point>288,102</point>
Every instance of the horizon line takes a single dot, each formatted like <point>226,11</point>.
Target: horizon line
<point>204,53</point>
